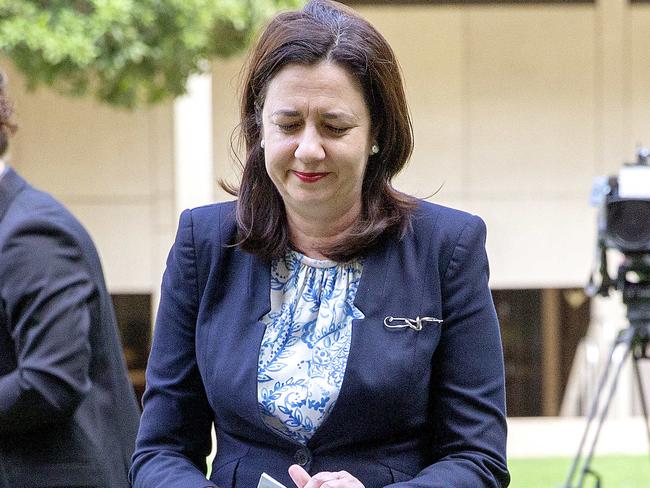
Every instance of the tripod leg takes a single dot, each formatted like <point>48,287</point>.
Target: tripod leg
<point>593,410</point>
<point>625,337</point>
<point>644,403</point>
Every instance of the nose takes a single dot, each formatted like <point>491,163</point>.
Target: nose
<point>310,146</point>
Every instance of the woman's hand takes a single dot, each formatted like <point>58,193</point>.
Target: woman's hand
<point>325,479</point>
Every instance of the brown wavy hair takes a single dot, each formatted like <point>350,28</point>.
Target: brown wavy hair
<point>325,31</point>
<point>7,127</point>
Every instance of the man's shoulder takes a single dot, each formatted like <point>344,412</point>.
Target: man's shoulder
<point>36,207</point>
<point>35,215</point>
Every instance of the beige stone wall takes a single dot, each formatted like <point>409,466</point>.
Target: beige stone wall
<point>503,108</point>
<point>516,108</point>
<point>111,168</point>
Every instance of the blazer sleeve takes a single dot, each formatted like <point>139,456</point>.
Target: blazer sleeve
<point>468,385</point>
<point>46,292</point>
<point>174,436</point>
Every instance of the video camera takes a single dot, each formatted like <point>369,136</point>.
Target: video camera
<point>624,225</point>
<point>626,202</point>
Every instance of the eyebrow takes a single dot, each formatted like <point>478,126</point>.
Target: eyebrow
<point>337,115</point>
<point>286,113</point>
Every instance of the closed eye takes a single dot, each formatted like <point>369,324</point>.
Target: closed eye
<point>289,127</point>
<point>338,130</point>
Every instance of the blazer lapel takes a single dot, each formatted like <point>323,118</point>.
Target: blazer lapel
<point>259,292</point>
<point>371,293</point>
<point>259,286</point>
<point>374,282</point>
<point>10,185</point>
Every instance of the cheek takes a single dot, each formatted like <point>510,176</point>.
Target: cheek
<point>279,151</point>
<point>277,157</point>
<point>360,165</point>
<point>267,164</point>
<point>360,172</point>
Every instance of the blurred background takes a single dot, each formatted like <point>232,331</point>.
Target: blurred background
<point>516,106</point>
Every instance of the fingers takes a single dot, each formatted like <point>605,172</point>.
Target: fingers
<point>299,476</point>
<point>339,479</point>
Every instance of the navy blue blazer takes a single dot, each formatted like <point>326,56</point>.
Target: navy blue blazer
<point>68,414</point>
<point>416,408</point>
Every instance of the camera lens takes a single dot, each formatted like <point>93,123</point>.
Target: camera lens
<point>628,225</point>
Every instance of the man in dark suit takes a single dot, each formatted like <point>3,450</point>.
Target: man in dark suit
<point>68,414</point>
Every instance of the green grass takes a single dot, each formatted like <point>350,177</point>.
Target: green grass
<point>614,471</point>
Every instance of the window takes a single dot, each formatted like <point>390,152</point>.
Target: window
<point>133,314</point>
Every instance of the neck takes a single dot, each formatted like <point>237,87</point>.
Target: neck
<point>2,166</point>
<point>309,232</point>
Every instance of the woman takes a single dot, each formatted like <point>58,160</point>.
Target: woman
<point>337,332</point>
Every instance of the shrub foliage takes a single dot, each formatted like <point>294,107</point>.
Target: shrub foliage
<point>127,53</point>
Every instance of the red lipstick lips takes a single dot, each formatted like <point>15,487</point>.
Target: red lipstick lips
<point>309,177</point>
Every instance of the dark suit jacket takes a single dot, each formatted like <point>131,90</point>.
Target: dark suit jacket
<point>416,408</point>
<point>68,415</point>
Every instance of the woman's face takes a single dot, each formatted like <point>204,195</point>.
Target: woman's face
<point>316,129</point>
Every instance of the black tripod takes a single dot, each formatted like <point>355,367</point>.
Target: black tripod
<point>633,340</point>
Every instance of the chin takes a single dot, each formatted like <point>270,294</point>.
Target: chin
<point>310,198</point>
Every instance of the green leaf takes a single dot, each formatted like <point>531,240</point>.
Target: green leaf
<point>127,53</point>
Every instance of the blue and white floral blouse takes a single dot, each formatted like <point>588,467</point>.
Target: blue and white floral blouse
<point>306,344</point>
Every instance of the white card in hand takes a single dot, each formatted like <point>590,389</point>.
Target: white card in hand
<point>267,482</point>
